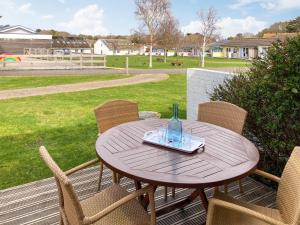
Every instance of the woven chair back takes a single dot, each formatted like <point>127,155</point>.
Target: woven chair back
<point>288,194</point>
<point>114,113</point>
<point>71,206</point>
<point>223,114</point>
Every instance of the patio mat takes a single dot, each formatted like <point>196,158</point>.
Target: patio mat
<point>37,203</point>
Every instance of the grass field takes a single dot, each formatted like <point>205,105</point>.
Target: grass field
<point>31,81</point>
<point>66,125</point>
<point>142,62</point>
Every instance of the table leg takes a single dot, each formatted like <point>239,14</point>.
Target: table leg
<point>203,198</point>
<point>180,204</point>
<point>138,186</point>
<point>146,200</point>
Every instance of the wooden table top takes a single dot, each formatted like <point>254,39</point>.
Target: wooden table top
<point>228,156</point>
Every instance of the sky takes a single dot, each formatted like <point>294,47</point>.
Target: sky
<point>104,17</point>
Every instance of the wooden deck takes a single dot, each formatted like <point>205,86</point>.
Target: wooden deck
<point>36,203</point>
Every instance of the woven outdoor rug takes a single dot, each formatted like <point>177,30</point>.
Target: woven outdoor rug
<point>37,203</point>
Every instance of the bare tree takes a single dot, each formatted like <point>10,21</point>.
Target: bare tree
<point>152,13</point>
<point>168,34</point>
<point>208,20</point>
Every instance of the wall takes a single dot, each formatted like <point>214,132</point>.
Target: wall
<point>200,83</point>
<point>26,36</point>
<point>101,49</point>
<point>217,54</point>
<point>17,46</point>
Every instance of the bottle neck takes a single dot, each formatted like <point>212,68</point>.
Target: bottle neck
<point>175,111</point>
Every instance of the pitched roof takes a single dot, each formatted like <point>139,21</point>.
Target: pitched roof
<point>249,42</point>
<point>69,42</point>
<point>119,44</point>
<point>245,42</point>
<point>218,44</point>
<point>8,28</point>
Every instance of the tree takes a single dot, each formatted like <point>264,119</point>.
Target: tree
<point>152,13</point>
<point>168,34</point>
<point>294,25</point>
<point>208,20</point>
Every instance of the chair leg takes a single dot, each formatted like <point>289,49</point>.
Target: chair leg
<point>100,175</point>
<point>216,189</point>
<point>166,193</point>
<point>115,177</point>
<point>152,207</point>
<point>225,188</point>
<point>241,186</point>
<point>61,221</point>
<point>173,192</point>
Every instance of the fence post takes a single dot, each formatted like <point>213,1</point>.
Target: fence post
<point>81,60</point>
<point>92,59</point>
<point>104,59</point>
<point>127,63</point>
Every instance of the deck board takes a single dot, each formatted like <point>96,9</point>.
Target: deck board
<point>37,204</point>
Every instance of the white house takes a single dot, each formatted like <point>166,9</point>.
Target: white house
<point>117,47</point>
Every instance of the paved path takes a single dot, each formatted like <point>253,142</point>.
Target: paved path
<point>138,79</point>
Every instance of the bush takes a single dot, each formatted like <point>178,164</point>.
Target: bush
<point>270,92</point>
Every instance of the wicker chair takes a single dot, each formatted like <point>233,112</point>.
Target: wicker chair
<point>224,210</point>
<point>225,115</point>
<point>111,206</point>
<point>111,114</point>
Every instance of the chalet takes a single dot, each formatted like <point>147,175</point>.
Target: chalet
<point>247,48</point>
<point>13,39</point>
<point>117,47</point>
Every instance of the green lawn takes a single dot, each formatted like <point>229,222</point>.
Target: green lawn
<point>33,81</point>
<point>66,125</point>
<point>142,62</point>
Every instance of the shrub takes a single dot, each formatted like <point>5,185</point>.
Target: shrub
<point>270,92</point>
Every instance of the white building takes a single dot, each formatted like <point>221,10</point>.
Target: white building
<point>20,32</point>
<point>13,39</point>
<point>117,47</point>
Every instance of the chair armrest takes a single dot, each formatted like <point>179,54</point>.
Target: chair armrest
<point>114,206</point>
<point>82,166</point>
<point>239,209</point>
<point>267,175</point>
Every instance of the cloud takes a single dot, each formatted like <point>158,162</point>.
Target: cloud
<point>268,4</point>
<point>47,17</point>
<point>25,8</point>
<point>228,26</point>
<point>88,20</point>
<point>62,1</point>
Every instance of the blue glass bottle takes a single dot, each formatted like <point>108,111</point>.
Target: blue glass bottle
<point>174,132</point>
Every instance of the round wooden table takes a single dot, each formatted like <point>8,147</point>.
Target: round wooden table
<point>227,157</point>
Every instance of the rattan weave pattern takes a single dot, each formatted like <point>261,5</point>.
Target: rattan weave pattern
<point>288,198</point>
<point>223,114</point>
<point>115,112</point>
<point>74,212</point>
<point>121,216</point>
<point>224,210</point>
